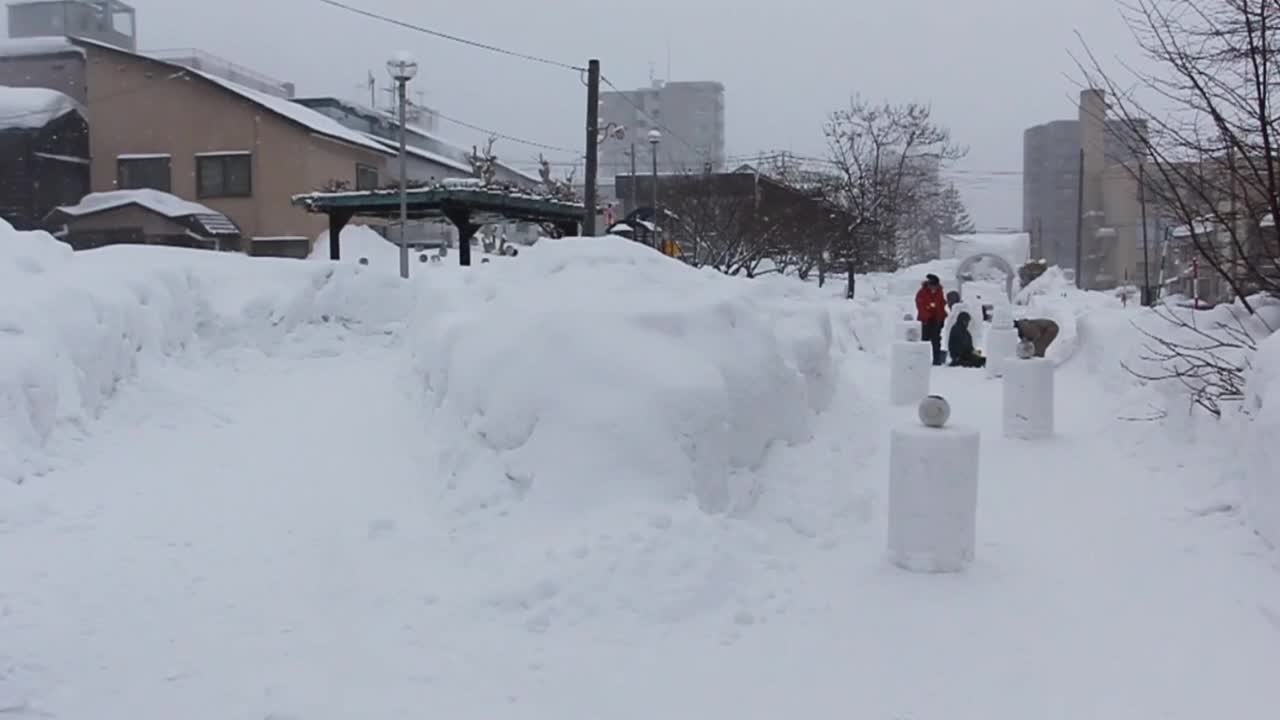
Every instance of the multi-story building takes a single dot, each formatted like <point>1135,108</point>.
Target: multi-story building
<point>1054,211</point>
<point>106,21</point>
<point>690,116</point>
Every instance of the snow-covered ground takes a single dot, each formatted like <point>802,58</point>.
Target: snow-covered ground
<point>587,482</point>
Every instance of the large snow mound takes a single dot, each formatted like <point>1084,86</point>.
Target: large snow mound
<point>1261,477</point>
<point>595,371</point>
<point>75,326</point>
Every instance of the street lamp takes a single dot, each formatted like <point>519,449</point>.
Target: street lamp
<point>655,137</point>
<point>403,68</point>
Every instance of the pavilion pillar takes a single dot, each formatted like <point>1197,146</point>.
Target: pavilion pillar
<point>338,220</point>
<point>461,219</point>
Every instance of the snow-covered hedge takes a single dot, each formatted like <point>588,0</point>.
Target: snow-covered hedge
<point>73,326</point>
<point>596,371</point>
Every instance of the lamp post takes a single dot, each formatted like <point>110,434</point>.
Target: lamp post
<point>655,137</point>
<point>403,68</point>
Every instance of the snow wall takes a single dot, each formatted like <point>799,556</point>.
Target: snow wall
<point>1111,340</point>
<point>74,326</point>
<point>584,371</point>
<point>592,371</point>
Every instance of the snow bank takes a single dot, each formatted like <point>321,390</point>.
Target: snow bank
<point>1261,476</point>
<point>595,371</point>
<point>73,327</point>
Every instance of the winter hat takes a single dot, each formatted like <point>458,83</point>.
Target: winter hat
<point>933,279</point>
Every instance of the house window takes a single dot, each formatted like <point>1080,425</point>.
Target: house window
<point>224,175</point>
<point>366,177</point>
<point>151,171</point>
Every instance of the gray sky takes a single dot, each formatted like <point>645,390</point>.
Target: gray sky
<point>990,67</point>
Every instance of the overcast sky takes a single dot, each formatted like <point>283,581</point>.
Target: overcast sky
<point>990,68</point>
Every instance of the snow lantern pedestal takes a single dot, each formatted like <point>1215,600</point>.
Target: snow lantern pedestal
<point>909,366</point>
<point>1028,398</point>
<point>933,498</point>
<point>1001,341</point>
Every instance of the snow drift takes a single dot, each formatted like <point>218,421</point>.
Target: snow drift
<point>74,326</point>
<point>596,371</point>
<point>1262,457</point>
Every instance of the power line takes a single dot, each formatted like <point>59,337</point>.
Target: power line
<point>453,38</point>
<point>504,136</point>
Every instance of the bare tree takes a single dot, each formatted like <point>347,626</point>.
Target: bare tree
<point>885,161</point>
<point>484,165</point>
<point>1203,123</point>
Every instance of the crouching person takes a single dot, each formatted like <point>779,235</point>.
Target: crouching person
<point>960,344</point>
<point>1040,333</point>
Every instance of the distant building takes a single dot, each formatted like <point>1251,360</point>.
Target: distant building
<point>690,115</point>
<point>243,153</point>
<point>1051,201</point>
<point>44,154</point>
<point>106,21</point>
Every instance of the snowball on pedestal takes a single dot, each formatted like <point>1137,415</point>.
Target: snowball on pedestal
<point>1028,398</point>
<point>908,331</point>
<point>909,366</point>
<point>933,498</point>
<point>1002,345</point>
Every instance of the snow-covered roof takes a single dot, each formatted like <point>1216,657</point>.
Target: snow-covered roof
<point>424,154</point>
<point>161,203</point>
<point>27,47</point>
<point>316,122</point>
<point>1200,227</point>
<point>22,107</point>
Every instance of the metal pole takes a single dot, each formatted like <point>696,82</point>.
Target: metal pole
<point>1146,255</point>
<point>656,242</point>
<point>1080,226</point>
<point>634,202</point>
<point>593,146</point>
<point>404,187</point>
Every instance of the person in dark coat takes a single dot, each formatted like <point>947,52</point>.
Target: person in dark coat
<point>931,311</point>
<point>960,345</point>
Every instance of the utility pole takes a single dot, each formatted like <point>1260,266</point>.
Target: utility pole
<point>1146,255</point>
<point>635,204</point>
<point>593,146</point>
<point>1080,226</point>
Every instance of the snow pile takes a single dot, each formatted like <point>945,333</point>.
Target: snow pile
<point>75,326</point>
<point>1261,479</point>
<point>22,107</point>
<point>362,241</point>
<point>595,372</point>
<point>1053,297</point>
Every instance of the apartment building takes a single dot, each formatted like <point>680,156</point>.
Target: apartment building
<point>155,124</point>
<point>690,115</point>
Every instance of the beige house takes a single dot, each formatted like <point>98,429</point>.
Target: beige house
<point>238,151</point>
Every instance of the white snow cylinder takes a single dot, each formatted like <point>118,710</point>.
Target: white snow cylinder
<point>933,497</point>
<point>1028,399</point>
<point>1001,347</point>
<point>910,365</point>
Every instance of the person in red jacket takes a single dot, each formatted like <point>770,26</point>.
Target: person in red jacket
<point>931,311</point>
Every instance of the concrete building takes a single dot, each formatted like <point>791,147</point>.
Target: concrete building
<point>108,21</point>
<point>1051,201</point>
<point>166,127</point>
<point>689,114</point>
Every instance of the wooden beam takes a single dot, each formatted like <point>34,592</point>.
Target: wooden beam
<point>338,220</point>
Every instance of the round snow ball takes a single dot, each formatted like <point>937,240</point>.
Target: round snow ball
<point>423,257</point>
<point>1026,350</point>
<point>935,411</point>
<point>913,334</point>
<point>364,261</point>
<point>908,317</point>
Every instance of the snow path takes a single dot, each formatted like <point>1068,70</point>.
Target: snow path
<point>251,536</point>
